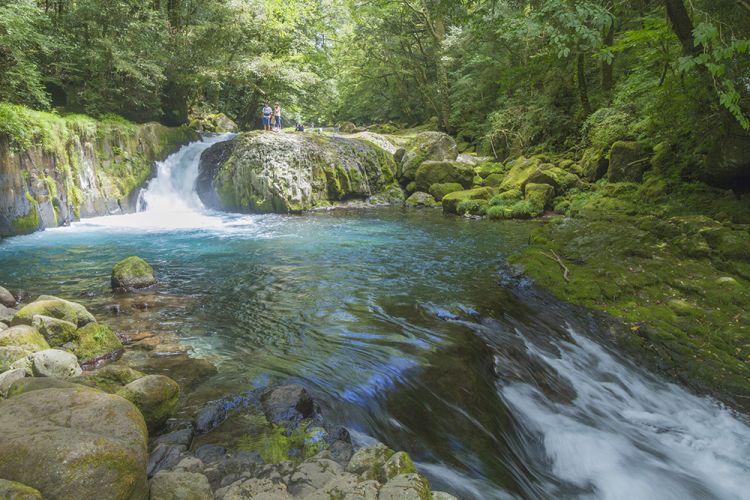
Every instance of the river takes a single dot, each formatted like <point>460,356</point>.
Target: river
<point>402,323</point>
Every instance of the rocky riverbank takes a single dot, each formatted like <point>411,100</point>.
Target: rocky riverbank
<point>90,412</point>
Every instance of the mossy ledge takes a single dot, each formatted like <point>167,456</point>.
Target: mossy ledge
<point>672,261</point>
<point>57,169</point>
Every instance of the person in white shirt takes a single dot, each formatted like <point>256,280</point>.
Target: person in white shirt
<point>267,112</point>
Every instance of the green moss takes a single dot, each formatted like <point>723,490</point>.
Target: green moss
<point>539,195</point>
<point>523,209</point>
<point>28,223</point>
<point>441,172</point>
<point>438,191</point>
<point>472,207</point>
<point>451,201</point>
<point>95,340</point>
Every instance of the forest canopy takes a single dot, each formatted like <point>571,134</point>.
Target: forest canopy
<point>504,76</point>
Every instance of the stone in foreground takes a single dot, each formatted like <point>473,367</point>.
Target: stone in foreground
<point>132,273</point>
<point>55,363</point>
<point>74,443</point>
<point>12,490</point>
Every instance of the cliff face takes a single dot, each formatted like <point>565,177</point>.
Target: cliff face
<point>54,169</point>
<point>269,172</point>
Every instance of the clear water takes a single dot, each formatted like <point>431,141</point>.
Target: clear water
<point>400,323</point>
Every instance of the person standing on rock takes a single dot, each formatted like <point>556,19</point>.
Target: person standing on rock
<point>267,112</point>
<point>277,116</point>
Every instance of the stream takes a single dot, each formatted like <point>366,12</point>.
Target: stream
<point>405,326</point>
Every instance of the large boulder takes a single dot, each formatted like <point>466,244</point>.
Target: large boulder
<point>540,195</point>
<point>55,363</point>
<point>132,273</point>
<point>94,341</point>
<point>110,378</point>
<point>534,171</point>
<point>438,191</point>
<point>74,443</point>
<point>155,396</point>
<point>426,146</point>
<point>441,172</point>
<point>257,172</point>
<point>628,161</point>
<point>6,298</point>
<point>55,307</point>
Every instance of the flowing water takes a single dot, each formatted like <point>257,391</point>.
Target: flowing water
<point>403,324</point>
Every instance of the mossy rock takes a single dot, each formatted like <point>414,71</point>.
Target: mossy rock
<point>485,169</point>
<point>347,128</point>
<point>90,445</point>
<point>56,331</point>
<point>556,177</point>
<point>520,171</point>
<point>441,172</point>
<point>23,336</point>
<point>398,463</point>
<point>473,207</point>
<point>628,161</point>
<point>594,165</point>
<point>451,201</point>
<point>11,355</point>
<point>426,146</point>
<point>155,396</point>
<point>369,463</point>
<point>540,195</point>
<point>421,200</point>
<point>94,341</point>
<point>12,490</point>
<point>523,209</point>
<point>494,180</point>
<point>438,191</point>
<point>54,307</point>
<point>406,486</point>
<point>132,273</point>
<point>110,378</point>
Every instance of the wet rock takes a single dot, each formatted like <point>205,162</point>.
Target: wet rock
<point>399,463</point>
<point>113,309</point>
<point>441,495</point>
<point>55,363</point>
<point>47,305</point>
<point>6,298</point>
<point>8,378</point>
<point>210,416</point>
<point>182,437</point>
<point>95,441</point>
<point>190,464</point>
<point>110,378</point>
<point>164,456</point>
<point>155,396</point>
<point>96,340</point>
<point>347,486</point>
<point>56,331</point>
<point>12,490</point>
<point>406,487</point>
<point>289,403</point>
<point>6,315</point>
<point>253,488</point>
<point>180,486</point>
<point>210,453</point>
<point>132,273</point>
<point>129,338</point>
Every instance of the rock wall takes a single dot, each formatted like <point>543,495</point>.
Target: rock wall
<point>54,169</point>
<point>265,172</point>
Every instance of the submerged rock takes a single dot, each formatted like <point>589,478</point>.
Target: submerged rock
<point>288,404</point>
<point>261,172</point>
<point>132,273</point>
<point>74,443</point>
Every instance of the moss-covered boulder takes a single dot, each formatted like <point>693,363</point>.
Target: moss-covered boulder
<point>284,173</point>
<point>519,172</point>
<point>12,490</point>
<point>369,463</point>
<point>494,180</point>
<point>55,331</point>
<point>628,161</point>
<point>485,169</point>
<point>435,146</point>
<point>406,486</point>
<point>110,378</point>
<point>54,307</point>
<point>560,180</point>
<point>539,195</point>
<point>94,341</point>
<point>11,355</point>
<point>347,128</point>
<point>155,396</point>
<point>74,443</point>
<point>594,165</point>
<point>132,273</point>
<point>441,172</point>
<point>438,191</point>
<point>451,201</point>
<point>421,200</point>
<point>23,336</point>
<point>213,122</point>
<point>398,463</point>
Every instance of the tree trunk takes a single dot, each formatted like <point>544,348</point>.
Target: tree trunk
<point>583,90</point>
<point>682,26</point>
<point>607,66</point>
<point>442,76</point>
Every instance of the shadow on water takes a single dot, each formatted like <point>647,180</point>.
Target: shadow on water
<point>400,323</point>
